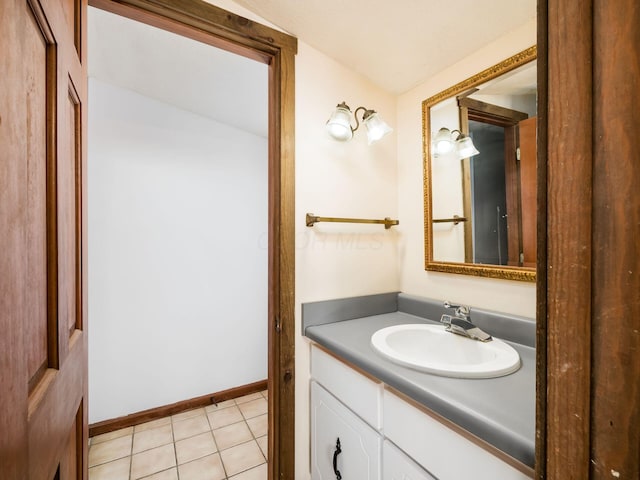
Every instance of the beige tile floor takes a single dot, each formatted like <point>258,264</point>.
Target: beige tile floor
<point>218,442</point>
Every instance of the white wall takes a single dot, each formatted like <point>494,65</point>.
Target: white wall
<point>177,254</point>
<point>500,295</point>
<point>343,180</point>
<point>447,193</point>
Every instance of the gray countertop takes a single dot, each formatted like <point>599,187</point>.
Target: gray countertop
<point>501,411</point>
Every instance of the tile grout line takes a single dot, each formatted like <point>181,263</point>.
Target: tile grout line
<point>133,432</point>
<point>253,437</point>
<point>215,442</point>
<point>175,449</point>
<point>251,431</point>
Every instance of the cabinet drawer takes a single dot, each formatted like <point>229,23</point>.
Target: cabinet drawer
<point>359,393</point>
<point>437,448</point>
<point>397,466</point>
<point>360,445</point>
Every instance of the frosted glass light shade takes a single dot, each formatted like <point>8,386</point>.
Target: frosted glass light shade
<point>465,147</point>
<point>442,142</point>
<point>339,125</point>
<point>376,128</point>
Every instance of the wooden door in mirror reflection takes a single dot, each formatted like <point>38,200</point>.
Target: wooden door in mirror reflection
<point>528,187</point>
<point>499,185</point>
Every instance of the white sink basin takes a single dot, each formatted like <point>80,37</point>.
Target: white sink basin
<point>429,348</point>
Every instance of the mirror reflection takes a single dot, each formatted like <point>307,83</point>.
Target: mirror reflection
<point>480,173</point>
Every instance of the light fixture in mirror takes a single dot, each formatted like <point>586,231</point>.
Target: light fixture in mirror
<point>445,142</point>
<point>339,124</point>
<point>465,147</point>
<point>480,186</point>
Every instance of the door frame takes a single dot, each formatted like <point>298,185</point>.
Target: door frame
<point>508,119</point>
<point>588,312</point>
<point>212,25</point>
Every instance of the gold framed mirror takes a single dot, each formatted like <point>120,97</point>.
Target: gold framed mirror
<point>480,211</point>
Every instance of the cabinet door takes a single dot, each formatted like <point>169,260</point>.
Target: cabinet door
<point>356,456</point>
<point>441,450</point>
<point>397,466</point>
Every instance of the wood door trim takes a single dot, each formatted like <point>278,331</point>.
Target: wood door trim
<point>568,266</point>
<point>541,250</point>
<point>489,113</point>
<point>207,23</point>
<point>465,166</point>
<point>588,423</point>
<point>615,319</point>
<point>204,22</point>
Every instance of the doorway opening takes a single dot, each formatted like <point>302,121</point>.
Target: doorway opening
<point>499,184</point>
<point>178,212</point>
<point>213,26</point>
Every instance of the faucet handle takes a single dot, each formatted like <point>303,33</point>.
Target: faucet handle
<point>461,310</point>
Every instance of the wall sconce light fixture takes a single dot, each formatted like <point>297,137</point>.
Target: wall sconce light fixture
<point>339,125</point>
<point>446,141</point>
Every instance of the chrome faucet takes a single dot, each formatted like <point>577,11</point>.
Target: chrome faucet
<point>460,324</point>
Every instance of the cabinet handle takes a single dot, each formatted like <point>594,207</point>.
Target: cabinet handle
<point>337,452</point>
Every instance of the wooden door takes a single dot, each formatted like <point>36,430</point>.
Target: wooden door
<point>43,342</point>
<point>512,190</point>
<point>528,188</point>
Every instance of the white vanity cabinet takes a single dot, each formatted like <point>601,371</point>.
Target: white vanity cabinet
<point>342,445</point>
<point>383,436</point>
<point>345,406</point>
<point>397,466</point>
<point>447,454</point>
<point>361,394</point>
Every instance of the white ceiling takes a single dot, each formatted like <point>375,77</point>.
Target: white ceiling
<point>397,44</point>
<point>196,77</point>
